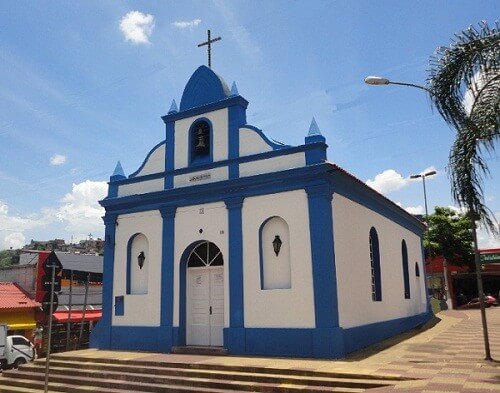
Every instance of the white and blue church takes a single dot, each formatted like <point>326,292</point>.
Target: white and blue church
<point>225,238</point>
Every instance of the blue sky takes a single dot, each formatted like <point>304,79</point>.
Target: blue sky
<point>79,92</point>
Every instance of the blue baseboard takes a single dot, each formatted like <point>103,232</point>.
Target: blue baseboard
<point>319,343</point>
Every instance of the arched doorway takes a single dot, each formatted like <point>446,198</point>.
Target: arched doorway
<point>205,296</point>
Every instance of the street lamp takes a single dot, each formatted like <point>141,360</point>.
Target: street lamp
<point>378,80</point>
<point>423,176</point>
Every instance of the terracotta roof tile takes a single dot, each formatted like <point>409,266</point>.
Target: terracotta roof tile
<point>12,296</point>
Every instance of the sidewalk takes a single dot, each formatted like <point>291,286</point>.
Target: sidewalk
<point>447,357</point>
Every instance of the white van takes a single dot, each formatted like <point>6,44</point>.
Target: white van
<point>14,350</point>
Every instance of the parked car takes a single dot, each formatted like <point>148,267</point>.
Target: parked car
<point>14,350</point>
<point>474,303</point>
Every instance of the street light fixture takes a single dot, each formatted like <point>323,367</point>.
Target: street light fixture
<point>378,80</point>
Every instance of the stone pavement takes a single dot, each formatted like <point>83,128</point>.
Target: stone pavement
<point>447,357</point>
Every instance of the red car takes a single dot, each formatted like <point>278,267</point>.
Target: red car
<point>474,303</point>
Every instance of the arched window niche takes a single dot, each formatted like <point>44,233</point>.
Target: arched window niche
<point>375,266</point>
<point>200,142</point>
<point>138,262</point>
<point>417,270</point>
<point>406,273</point>
<point>274,242</point>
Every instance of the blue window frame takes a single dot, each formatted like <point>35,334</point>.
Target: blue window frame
<point>375,266</point>
<point>200,142</point>
<point>406,273</point>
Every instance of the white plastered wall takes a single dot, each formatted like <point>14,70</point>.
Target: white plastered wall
<point>252,143</point>
<point>219,120</point>
<point>352,223</point>
<point>142,187</point>
<point>140,310</point>
<point>274,164</point>
<point>290,308</point>
<point>155,162</point>
<point>212,219</point>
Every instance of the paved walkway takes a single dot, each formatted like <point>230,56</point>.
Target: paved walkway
<point>445,358</point>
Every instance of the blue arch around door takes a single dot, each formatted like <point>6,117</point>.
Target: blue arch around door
<point>179,338</point>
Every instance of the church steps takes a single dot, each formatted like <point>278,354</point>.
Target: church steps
<point>164,375</point>
<point>224,367</point>
<point>138,383</point>
<point>20,385</point>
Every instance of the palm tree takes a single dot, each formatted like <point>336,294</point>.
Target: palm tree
<point>464,85</point>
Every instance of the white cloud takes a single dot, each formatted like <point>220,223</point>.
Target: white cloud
<point>184,24</point>
<point>14,240</point>
<point>137,27</point>
<point>388,181</point>
<point>415,209</point>
<point>57,159</point>
<point>79,212</point>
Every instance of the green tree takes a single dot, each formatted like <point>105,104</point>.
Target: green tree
<point>464,85</point>
<point>450,235</point>
<point>9,257</point>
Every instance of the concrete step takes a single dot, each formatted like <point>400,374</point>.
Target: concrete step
<point>224,367</point>
<point>176,375</point>
<point>200,350</point>
<point>70,383</point>
<point>19,385</point>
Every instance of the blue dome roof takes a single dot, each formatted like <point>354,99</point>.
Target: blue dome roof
<point>204,87</point>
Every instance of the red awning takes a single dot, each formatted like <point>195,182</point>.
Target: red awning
<point>76,315</point>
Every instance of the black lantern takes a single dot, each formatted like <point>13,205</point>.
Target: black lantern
<point>277,244</point>
<point>140,259</point>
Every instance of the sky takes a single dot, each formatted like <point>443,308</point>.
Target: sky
<point>84,84</point>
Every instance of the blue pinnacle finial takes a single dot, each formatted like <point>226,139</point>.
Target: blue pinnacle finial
<point>313,128</point>
<point>118,170</point>
<point>234,90</point>
<point>173,107</point>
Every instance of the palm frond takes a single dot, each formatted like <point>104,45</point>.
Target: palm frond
<point>464,85</point>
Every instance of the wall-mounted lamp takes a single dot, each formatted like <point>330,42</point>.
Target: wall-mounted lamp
<point>277,244</point>
<point>140,259</point>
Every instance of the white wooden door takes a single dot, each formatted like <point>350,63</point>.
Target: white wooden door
<point>216,306</point>
<point>205,306</point>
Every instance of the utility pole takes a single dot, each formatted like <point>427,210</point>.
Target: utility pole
<point>47,358</point>
<point>84,309</point>
<point>68,326</point>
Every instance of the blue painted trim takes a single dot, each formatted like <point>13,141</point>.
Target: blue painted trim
<point>322,255</point>
<point>238,100</point>
<point>357,191</point>
<point>236,118</point>
<point>222,163</point>
<point>332,343</point>
<point>169,155</point>
<point>203,87</point>
<point>100,336</point>
<point>235,257</point>
<point>406,273</point>
<point>197,161</point>
<point>146,159</point>
<point>167,277</point>
<point>362,336</point>
<point>274,145</point>
<point>268,183</point>
<point>375,264</point>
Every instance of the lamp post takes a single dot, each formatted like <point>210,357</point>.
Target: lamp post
<point>378,81</point>
<point>423,176</point>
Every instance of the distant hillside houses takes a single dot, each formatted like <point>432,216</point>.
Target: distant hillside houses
<point>88,246</point>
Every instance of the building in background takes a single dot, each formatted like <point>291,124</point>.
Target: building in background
<point>17,309</point>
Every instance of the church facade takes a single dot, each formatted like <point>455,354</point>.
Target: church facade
<point>226,238</point>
